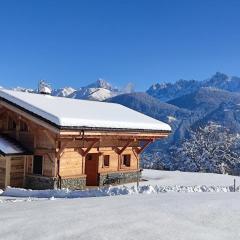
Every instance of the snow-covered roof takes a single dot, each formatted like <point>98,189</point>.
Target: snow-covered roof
<point>8,147</point>
<point>74,113</point>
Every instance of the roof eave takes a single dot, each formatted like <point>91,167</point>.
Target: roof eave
<point>15,154</point>
<point>101,129</point>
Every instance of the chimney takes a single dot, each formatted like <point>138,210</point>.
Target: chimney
<point>44,88</point>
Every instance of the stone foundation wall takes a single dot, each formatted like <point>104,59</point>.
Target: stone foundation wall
<point>118,178</point>
<point>41,182</point>
<point>74,183</point>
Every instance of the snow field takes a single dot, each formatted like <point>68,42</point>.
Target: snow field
<point>202,206</point>
<point>173,216</point>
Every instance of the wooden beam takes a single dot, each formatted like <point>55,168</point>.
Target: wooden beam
<point>120,151</point>
<point>140,149</point>
<point>85,152</point>
<point>44,150</point>
<point>50,137</point>
<point>124,134</point>
<point>74,138</point>
<point>61,149</point>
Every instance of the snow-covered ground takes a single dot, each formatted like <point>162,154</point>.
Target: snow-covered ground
<point>171,178</point>
<point>151,215</point>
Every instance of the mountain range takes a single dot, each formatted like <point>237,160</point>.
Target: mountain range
<point>168,91</point>
<point>184,104</point>
<point>97,91</point>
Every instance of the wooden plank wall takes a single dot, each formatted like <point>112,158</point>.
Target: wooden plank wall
<point>17,171</point>
<point>5,168</point>
<point>71,163</point>
<point>49,164</point>
<point>28,165</point>
<point>2,172</point>
<point>27,140</point>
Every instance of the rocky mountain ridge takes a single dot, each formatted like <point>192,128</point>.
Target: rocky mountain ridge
<point>169,91</point>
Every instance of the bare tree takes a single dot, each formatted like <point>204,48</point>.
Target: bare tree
<point>211,148</point>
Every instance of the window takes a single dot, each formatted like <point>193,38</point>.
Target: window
<point>11,124</point>
<point>126,160</point>
<point>23,126</point>
<point>106,161</point>
<point>37,165</point>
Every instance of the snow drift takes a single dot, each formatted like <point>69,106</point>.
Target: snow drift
<point>112,191</point>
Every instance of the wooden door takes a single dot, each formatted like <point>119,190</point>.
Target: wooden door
<point>2,172</point>
<point>91,169</point>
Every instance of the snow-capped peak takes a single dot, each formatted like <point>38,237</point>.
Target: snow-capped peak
<point>100,83</point>
<point>63,92</point>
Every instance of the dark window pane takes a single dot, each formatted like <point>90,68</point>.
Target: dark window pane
<point>106,160</point>
<point>126,160</point>
<point>37,165</point>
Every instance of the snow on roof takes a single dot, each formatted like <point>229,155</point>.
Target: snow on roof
<point>8,147</point>
<point>66,112</point>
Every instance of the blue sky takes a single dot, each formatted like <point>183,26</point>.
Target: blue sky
<point>72,43</point>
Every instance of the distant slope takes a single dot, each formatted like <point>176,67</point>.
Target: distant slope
<point>178,118</point>
<point>205,98</point>
<point>146,104</point>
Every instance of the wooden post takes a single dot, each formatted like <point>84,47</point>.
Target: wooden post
<point>24,170</point>
<point>58,157</point>
<point>234,185</point>
<point>138,166</point>
<point>119,162</point>
<point>138,179</point>
<point>83,164</point>
<point>8,171</point>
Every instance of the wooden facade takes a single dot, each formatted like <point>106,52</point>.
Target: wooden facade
<point>72,158</point>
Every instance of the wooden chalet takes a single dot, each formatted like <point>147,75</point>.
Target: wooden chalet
<point>51,142</point>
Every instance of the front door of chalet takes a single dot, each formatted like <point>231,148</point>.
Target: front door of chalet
<point>91,169</point>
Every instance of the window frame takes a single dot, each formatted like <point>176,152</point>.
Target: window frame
<point>104,159</point>
<point>129,160</point>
